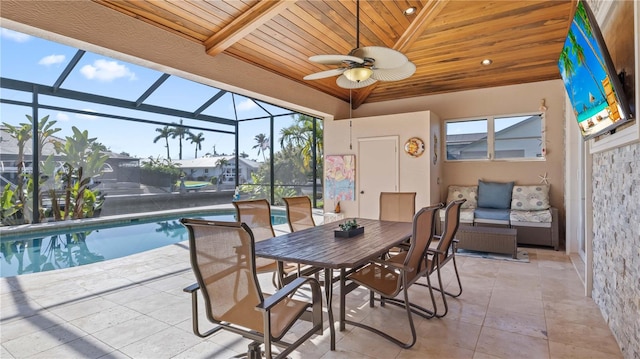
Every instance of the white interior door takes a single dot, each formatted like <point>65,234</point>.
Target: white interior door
<point>378,171</point>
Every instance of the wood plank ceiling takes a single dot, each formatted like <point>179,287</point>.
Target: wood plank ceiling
<point>447,40</point>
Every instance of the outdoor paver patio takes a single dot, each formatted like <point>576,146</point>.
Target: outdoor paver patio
<point>134,307</point>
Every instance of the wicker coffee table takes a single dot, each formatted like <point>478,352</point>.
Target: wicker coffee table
<point>488,239</point>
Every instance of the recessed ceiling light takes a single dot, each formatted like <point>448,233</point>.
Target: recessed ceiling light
<point>410,11</point>
<point>486,62</point>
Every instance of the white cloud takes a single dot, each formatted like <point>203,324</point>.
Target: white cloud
<point>52,60</point>
<point>14,35</point>
<point>62,117</point>
<point>85,116</point>
<point>246,105</point>
<point>106,71</point>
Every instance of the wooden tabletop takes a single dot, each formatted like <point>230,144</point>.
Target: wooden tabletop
<point>319,247</point>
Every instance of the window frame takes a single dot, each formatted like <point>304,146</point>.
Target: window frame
<point>490,119</point>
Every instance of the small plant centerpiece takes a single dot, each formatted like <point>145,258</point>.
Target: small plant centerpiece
<point>349,229</point>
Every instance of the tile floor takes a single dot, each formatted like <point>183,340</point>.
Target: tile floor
<point>134,307</point>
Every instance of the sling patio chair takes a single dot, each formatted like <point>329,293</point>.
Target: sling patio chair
<point>256,213</point>
<point>390,277</point>
<point>398,207</point>
<point>299,213</point>
<point>223,262</point>
<point>299,217</point>
<point>445,252</point>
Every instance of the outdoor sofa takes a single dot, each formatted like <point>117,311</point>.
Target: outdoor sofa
<point>525,208</point>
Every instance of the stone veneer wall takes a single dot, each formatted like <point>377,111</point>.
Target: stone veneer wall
<point>616,243</point>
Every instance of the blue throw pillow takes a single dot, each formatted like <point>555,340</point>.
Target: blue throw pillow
<point>494,194</point>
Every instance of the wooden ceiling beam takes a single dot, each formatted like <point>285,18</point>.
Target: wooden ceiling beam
<point>244,24</point>
<point>446,40</point>
<point>413,32</point>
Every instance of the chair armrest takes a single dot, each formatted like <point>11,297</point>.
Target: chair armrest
<point>192,288</point>
<point>398,266</point>
<point>287,290</point>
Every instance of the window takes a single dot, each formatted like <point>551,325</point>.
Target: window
<point>466,140</point>
<point>141,150</point>
<point>500,138</point>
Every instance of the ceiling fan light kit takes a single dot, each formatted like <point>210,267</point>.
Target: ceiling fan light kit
<point>345,83</point>
<point>364,66</point>
<point>358,74</point>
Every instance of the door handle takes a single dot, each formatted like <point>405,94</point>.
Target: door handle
<point>361,192</point>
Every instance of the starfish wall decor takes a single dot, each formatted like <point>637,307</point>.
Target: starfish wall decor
<point>544,178</point>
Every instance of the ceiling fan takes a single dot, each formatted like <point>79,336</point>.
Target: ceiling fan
<point>364,66</point>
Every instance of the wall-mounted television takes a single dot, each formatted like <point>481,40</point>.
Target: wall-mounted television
<point>590,78</point>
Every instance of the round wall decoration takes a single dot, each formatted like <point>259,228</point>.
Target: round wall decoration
<point>414,147</point>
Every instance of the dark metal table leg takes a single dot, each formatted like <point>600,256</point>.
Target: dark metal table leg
<point>328,292</point>
<point>342,298</point>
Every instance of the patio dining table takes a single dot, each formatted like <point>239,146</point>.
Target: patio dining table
<point>319,247</point>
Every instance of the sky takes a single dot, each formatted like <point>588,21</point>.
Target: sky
<point>32,59</point>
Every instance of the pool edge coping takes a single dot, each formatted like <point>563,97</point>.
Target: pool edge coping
<point>35,228</point>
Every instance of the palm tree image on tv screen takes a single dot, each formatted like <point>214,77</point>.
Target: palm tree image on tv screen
<point>590,78</point>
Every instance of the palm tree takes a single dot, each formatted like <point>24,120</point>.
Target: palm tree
<point>82,162</point>
<point>22,134</point>
<point>582,24</point>
<point>165,132</point>
<point>578,51</point>
<point>45,131</point>
<point>197,140</point>
<point>221,162</point>
<point>568,69</point>
<point>180,132</point>
<point>262,144</point>
<point>301,134</point>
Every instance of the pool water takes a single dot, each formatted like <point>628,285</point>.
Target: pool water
<point>50,251</point>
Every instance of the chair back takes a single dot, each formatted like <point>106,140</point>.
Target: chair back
<point>299,214</point>
<point>424,225</point>
<point>256,214</point>
<point>397,206</point>
<point>223,262</point>
<point>451,224</point>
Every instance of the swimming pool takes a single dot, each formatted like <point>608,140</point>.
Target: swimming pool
<point>52,250</point>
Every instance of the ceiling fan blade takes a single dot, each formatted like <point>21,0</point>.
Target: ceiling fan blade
<point>384,57</point>
<point>394,74</point>
<point>335,59</point>
<point>324,74</point>
<point>345,83</point>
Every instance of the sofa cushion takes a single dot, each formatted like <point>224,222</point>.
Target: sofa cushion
<point>494,194</point>
<point>492,214</point>
<point>466,215</point>
<point>470,193</point>
<point>517,217</point>
<point>530,198</point>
